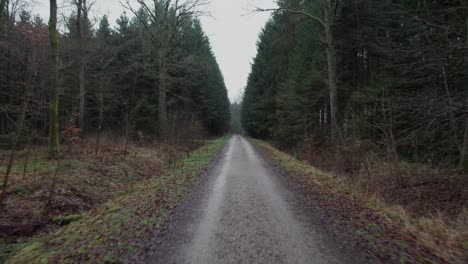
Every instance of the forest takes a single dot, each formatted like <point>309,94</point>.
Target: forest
<point>134,77</point>
<point>375,93</point>
<point>151,76</point>
<point>79,89</point>
<point>119,144</point>
<point>387,77</point>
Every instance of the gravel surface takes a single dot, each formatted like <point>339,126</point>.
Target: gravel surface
<point>241,212</point>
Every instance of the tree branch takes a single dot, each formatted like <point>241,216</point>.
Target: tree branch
<point>296,12</point>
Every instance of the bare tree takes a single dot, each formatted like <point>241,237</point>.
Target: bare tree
<point>165,18</point>
<point>9,10</point>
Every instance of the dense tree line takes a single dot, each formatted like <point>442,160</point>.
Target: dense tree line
<point>392,75</point>
<point>153,73</point>
<point>236,126</point>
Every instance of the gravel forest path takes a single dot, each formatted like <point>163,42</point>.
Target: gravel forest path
<point>241,212</point>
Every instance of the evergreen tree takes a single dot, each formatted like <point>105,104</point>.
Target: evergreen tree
<point>399,77</point>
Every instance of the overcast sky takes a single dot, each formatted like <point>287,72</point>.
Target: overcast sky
<point>232,29</point>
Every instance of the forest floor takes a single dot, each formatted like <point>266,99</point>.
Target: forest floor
<point>422,219</point>
<point>85,185</point>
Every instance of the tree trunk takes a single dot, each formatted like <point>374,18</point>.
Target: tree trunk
<point>54,89</point>
<point>82,17</point>
<point>128,116</point>
<point>453,123</point>
<point>35,165</point>
<point>26,160</point>
<point>331,62</point>
<point>82,96</point>
<point>464,148</point>
<point>126,135</point>
<point>101,117</point>
<point>328,18</point>
<point>162,114</point>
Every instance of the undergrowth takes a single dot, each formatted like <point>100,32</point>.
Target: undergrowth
<point>431,236</point>
<point>108,233</point>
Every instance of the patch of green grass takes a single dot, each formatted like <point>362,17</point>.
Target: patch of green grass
<point>132,249</point>
<point>8,248</point>
<point>109,259</point>
<point>114,209</point>
<point>114,226</point>
<point>147,222</point>
<point>129,191</point>
<point>375,227</point>
<point>65,220</point>
<point>360,232</point>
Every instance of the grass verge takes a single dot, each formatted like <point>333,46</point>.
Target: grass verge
<point>108,234</point>
<point>387,232</point>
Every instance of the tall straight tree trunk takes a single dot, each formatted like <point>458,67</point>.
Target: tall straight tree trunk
<point>328,20</point>
<point>452,123</point>
<point>162,113</point>
<point>82,95</point>
<point>331,69</point>
<point>464,148</point>
<point>82,18</point>
<point>101,118</point>
<point>53,89</point>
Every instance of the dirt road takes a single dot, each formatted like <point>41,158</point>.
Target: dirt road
<point>242,213</point>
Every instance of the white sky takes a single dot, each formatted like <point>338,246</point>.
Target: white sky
<point>232,28</point>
